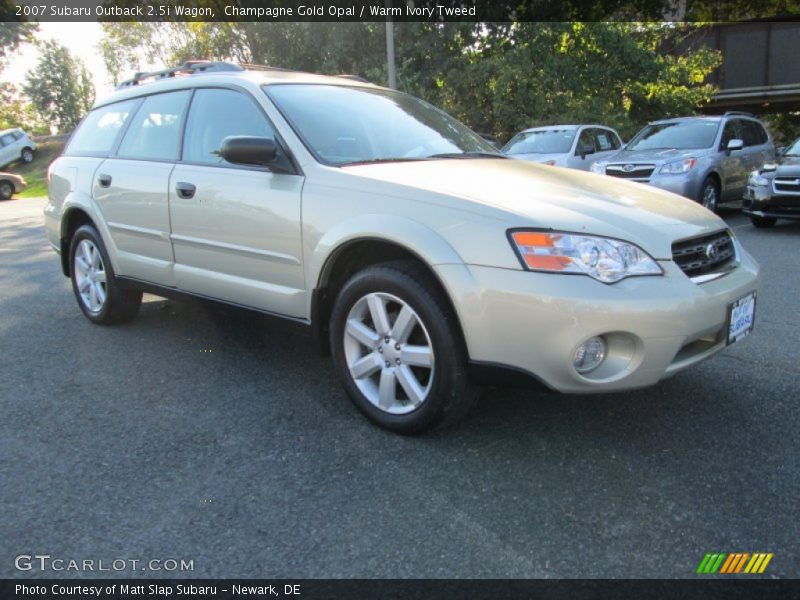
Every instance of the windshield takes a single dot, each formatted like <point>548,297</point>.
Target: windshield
<point>547,141</point>
<point>344,125</point>
<point>794,149</point>
<point>681,135</point>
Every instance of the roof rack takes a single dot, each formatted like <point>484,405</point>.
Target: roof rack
<point>738,113</point>
<point>190,67</point>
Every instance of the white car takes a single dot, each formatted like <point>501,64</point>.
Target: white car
<point>571,146</point>
<point>15,145</point>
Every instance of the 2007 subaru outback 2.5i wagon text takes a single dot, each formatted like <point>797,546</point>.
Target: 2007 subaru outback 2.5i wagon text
<point>425,259</point>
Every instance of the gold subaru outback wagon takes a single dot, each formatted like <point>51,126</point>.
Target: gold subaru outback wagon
<point>425,261</point>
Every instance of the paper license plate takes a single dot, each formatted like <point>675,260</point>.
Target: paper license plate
<point>741,315</point>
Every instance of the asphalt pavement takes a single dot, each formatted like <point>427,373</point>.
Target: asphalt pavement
<point>212,436</point>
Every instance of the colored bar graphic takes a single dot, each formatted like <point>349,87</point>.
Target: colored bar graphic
<point>733,562</point>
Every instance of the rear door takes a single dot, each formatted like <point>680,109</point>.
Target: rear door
<point>236,229</point>
<point>131,188</point>
<point>733,164</point>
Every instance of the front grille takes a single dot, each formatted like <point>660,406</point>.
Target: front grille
<point>787,185</point>
<point>705,254</point>
<point>630,171</point>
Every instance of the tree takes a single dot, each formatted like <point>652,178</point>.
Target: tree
<point>496,77</point>
<point>59,87</point>
<point>15,111</point>
<point>13,33</point>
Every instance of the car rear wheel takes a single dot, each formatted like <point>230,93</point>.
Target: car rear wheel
<point>27,155</point>
<point>763,222</point>
<point>6,190</point>
<point>397,349</point>
<point>100,296</point>
<point>709,194</point>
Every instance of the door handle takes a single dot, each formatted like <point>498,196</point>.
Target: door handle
<point>104,180</point>
<point>185,190</point>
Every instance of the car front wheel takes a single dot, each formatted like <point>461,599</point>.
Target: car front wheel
<point>397,348</point>
<point>6,190</point>
<point>100,296</point>
<point>763,222</point>
<point>709,194</point>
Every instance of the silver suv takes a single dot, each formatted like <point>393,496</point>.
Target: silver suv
<point>421,258</point>
<point>707,159</point>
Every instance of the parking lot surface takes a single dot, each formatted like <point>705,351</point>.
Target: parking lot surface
<point>209,435</point>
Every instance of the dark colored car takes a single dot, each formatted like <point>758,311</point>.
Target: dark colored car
<point>773,191</point>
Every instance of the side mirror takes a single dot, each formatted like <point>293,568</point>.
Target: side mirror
<point>584,149</point>
<point>735,144</point>
<point>247,150</point>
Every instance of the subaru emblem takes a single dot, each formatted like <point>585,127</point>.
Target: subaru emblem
<point>628,168</point>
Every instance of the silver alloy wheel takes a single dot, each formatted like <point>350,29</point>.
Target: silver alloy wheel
<point>389,353</point>
<point>27,156</point>
<point>90,276</point>
<point>710,196</point>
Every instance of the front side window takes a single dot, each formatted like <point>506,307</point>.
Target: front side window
<point>543,141</point>
<point>155,131</point>
<point>7,139</point>
<point>606,139</point>
<point>677,135</point>
<point>342,125</point>
<point>99,130</point>
<point>731,132</point>
<point>585,140</point>
<point>216,114</point>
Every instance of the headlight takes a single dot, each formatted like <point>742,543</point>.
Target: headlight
<point>598,167</point>
<point>758,180</point>
<point>678,167</point>
<point>606,259</point>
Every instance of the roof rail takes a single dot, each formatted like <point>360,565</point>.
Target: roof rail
<point>738,113</point>
<point>190,67</point>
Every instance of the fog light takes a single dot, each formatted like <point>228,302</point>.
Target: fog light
<point>589,355</point>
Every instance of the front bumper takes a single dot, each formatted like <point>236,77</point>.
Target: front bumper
<point>686,185</point>
<point>761,201</point>
<point>534,322</point>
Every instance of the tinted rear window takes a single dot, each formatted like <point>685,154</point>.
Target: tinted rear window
<point>99,130</point>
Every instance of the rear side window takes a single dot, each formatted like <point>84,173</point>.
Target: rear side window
<point>215,115</point>
<point>754,134</point>
<point>99,130</point>
<point>155,131</point>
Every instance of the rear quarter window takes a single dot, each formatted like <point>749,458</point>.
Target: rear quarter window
<point>97,133</point>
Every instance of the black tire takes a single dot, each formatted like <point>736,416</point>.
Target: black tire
<point>27,155</point>
<point>6,190</point>
<point>763,222</point>
<point>709,194</point>
<point>450,396</point>
<point>121,304</point>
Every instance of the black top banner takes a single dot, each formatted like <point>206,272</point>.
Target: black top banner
<point>397,10</point>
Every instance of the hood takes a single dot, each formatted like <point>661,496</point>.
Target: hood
<point>532,195</point>
<point>788,166</point>
<point>655,156</point>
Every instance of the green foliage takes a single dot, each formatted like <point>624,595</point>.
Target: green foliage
<point>784,127</point>
<point>59,87</point>
<point>13,34</point>
<point>35,173</point>
<point>496,77</point>
<point>15,111</point>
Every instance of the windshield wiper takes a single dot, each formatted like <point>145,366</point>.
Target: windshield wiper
<point>376,161</point>
<point>468,155</point>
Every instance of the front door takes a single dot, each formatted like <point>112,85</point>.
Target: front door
<point>235,229</point>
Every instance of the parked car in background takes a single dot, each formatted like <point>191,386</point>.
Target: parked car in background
<point>571,146</point>
<point>707,159</point>
<point>10,184</point>
<point>773,191</point>
<point>15,145</point>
